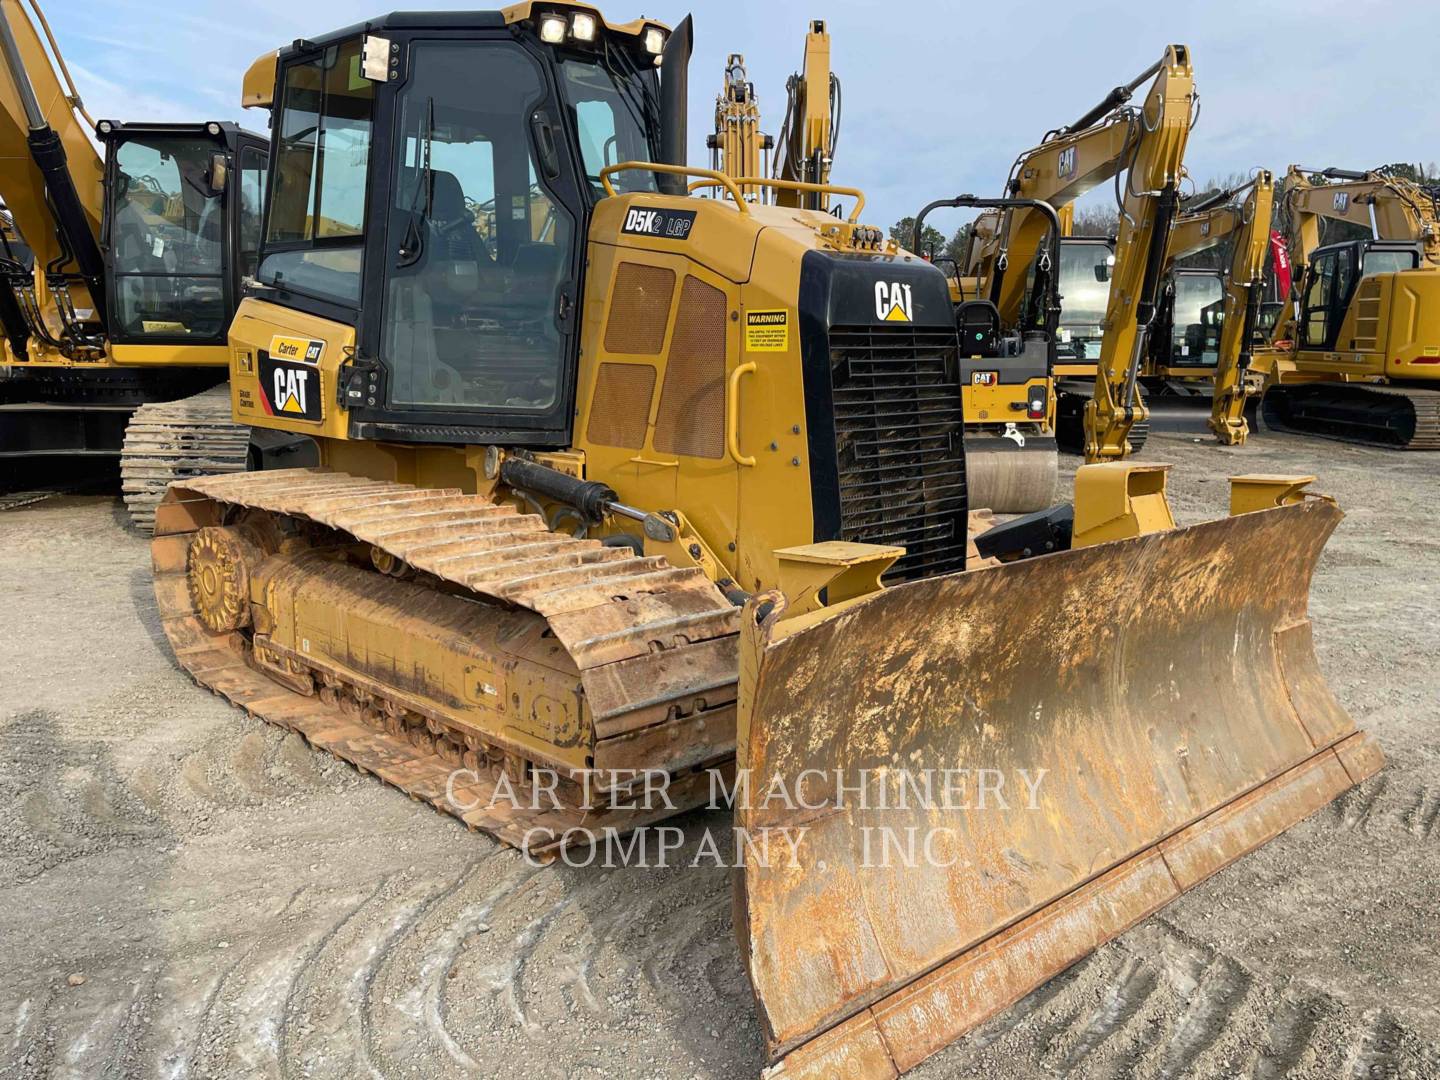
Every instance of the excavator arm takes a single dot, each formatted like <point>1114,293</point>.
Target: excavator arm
<point>1249,225</point>
<point>1071,161</point>
<point>806,146</point>
<point>52,180</point>
<point>1152,168</point>
<point>738,147</point>
<point>1390,207</point>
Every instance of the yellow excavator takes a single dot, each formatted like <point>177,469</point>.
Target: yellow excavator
<point>131,268</point>
<point>1141,149</point>
<point>1357,355</point>
<point>674,488</point>
<point>1208,322</point>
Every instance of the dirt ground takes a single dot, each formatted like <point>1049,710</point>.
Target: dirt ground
<point>188,892</point>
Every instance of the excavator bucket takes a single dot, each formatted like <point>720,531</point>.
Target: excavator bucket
<point>979,779</point>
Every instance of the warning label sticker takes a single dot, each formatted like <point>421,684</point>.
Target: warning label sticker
<point>767,331</point>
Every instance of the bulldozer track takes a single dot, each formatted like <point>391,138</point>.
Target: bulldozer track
<point>655,645</point>
<point>178,440</point>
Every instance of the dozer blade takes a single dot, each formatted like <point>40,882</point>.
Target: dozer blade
<point>1161,695</point>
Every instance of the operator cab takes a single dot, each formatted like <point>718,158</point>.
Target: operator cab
<point>1330,280</point>
<point>183,211</point>
<point>1084,280</point>
<point>1190,318</point>
<point>433,181</point>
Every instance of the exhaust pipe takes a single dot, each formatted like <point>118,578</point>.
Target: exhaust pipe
<point>48,153</point>
<point>674,103</point>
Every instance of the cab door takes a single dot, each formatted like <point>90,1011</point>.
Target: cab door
<point>1328,284</point>
<point>471,292</point>
<point>165,236</point>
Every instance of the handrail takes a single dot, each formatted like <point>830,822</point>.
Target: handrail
<point>672,170</point>
<point>795,185</point>
<point>732,413</point>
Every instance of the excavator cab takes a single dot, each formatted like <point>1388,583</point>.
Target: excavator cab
<point>183,208</point>
<point>1331,278</point>
<point>1084,281</point>
<point>1187,329</point>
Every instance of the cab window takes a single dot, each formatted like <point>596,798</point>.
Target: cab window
<point>610,111</point>
<point>315,236</point>
<point>251,209</point>
<point>1389,261</point>
<point>167,234</point>
<point>1198,307</point>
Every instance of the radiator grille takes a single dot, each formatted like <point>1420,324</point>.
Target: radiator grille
<point>899,435</point>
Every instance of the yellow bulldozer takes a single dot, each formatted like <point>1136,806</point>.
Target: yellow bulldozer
<point>674,489</point>
<point>116,298</point>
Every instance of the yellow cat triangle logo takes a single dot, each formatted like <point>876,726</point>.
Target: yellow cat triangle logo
<point>897,314</point>
<point>291,404</point>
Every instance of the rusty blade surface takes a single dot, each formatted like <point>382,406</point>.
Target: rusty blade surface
<point>1161,694</point>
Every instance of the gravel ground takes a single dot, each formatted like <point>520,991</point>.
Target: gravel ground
<point>190,892</point>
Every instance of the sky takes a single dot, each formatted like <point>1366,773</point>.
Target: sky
<point>938,98</point>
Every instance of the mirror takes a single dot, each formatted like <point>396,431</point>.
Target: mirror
<point>219,172</point>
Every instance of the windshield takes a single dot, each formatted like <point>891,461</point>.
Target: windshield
<point>613,108</point>
<point>317,211</point>
<point>167,239</point>
<point>481,251</point>
<point>1084,284</point>
<point>1392,261</point>
<point>1195,331</point>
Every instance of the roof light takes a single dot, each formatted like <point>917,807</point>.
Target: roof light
<point>552,29</point>
<point>105,127</point>
<point>654,40</point>
<point>213,128</point>
<point>582,25</point>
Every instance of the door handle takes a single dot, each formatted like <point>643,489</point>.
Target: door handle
<point>732,414</point>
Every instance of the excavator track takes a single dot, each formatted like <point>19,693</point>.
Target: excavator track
<point>654,647</point>
<point>178,440</point>
<point>1396,417</point>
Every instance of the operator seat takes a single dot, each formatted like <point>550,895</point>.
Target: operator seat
<point>453,236</point>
